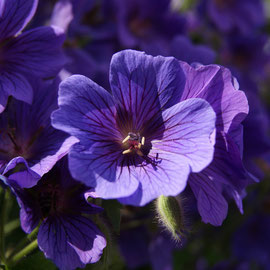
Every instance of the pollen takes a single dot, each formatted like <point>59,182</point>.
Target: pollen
<point>133,142</point>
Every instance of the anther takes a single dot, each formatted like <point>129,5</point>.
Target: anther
<point>126,139</point>
<point>127,151</point>
<point>143,141</point>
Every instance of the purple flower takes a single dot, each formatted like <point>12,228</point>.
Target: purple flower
<point>137,143</point>
<point>65,236</point>
<point>246,56</point>
<point>26,130</point>
<point>35,52</point>
<point>241,15</point>
<point>92,58</point>
<point>226,173</point>
<point>149,25</point>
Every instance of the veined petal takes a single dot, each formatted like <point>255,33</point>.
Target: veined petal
<point>71,242</point>
<point>227,165</point>
<point>16,85</point>
<point>189,132</point>
<point>27,130</point>
<point>211,204</point>
<point>29,213</point>
<point>186,146</point>
<point>143,85</point>
<point>14,16</point>
<point>36,52</point>
<point>103,167</point>
<point>167,175</point>
<point>86,111</point>
<point>215,84</point>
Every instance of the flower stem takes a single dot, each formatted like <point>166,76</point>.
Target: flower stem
<point>24,242</point>
<point>25,251</point>
<point>11,226</point>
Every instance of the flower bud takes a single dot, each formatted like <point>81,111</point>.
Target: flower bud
<point>170,214</point>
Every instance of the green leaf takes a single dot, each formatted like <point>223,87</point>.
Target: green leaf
<point>112,210</point>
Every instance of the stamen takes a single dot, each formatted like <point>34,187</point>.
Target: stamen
<point>127,151</point>
<point>126,139</point>
<point>135,143</point>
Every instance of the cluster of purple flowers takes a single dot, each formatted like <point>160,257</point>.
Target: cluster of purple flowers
<point>150,116</point>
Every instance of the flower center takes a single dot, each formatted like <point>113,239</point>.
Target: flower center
<point>139,27</point>
<point>48,198</point>
<point>133,144</point>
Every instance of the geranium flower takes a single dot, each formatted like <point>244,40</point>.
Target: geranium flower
<point>226,176</point>
<point>58,203</point>
<point>33,53</point>
<point>26,131</point>
<point>137,142</point>
<point>230,15</point>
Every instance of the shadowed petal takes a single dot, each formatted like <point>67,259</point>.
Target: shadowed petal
<point>104,169</point>
<point>36,52</point>
<point>29,215</point>
<point>27,130</point>
<point>215,84</point>
<point>14,15</point>
<point>19,174</point>
<point>21,177</point>
<point>183,49</point>
<point>16,85</point>
<point>143,84</point>
<point>211,204</point>
<point>49,154</point>
<point>71,242</point>
<point>227,165</point>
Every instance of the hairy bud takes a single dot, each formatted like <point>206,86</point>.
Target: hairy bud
<point>170,214</point>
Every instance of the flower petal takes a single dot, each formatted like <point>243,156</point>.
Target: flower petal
<point>186,146</point>
<point>211,204</point>
<point>36,140</point>
<point>104,169</point>
<point>36,52</point>
<point>189,132</point>
<point>57,145</point>
<point>71,242</point>
<point>227,165</point>
<point>143,84</point>
<point>183,49</point>
<point>16,85</point>
<point>62,14</point>
<point>215,84</point>
<point>168,176</point>
<point>15,15</point>
<point>19,174</point>
<point>86,111</point>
